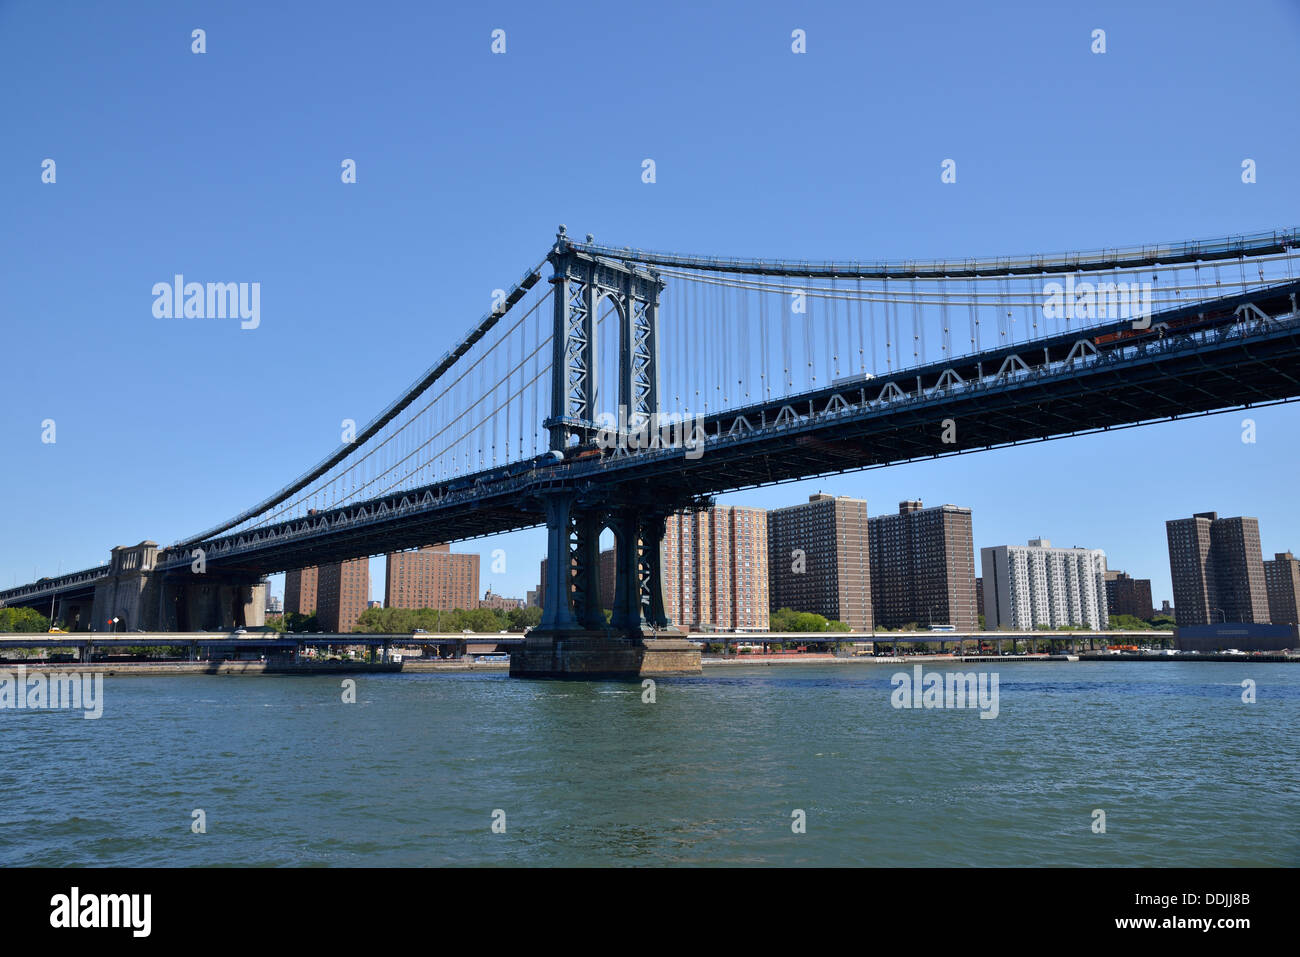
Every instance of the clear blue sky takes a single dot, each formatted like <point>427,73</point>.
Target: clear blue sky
<point>226,166</point>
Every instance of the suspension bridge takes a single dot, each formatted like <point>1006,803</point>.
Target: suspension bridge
<point>631,384</point>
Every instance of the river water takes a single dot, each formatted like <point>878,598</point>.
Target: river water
<point>715,771</point>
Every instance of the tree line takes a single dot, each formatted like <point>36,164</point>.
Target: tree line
<point>787,619</point>
<point>397,621</point>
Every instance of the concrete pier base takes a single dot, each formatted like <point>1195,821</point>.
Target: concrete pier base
<point>584,655</point>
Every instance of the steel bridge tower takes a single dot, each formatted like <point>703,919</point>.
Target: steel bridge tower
<point>573,638</point>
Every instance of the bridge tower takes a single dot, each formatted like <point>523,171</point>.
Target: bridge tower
<point>582,282</point>
<point>573,639</point>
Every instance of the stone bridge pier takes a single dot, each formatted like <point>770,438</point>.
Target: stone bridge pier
<point>574,640</point>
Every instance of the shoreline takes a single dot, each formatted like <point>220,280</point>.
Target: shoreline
<point>256,668</point>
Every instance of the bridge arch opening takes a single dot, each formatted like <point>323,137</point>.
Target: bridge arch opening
<point>609,324</point>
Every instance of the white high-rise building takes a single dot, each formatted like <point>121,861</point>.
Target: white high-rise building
<point>1026,586</point>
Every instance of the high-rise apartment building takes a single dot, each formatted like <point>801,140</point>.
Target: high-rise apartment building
<point>715,571</point>
<point>342,594</point>
<point>1217,569</point>
<point>1033,585</point>
<point>819,559</point>
<point>432,577</point>
<point>1128,596</point>
<point>608,577</point>
<point>923,567</point>
<point>300,590</point>
<point>1282,580</point>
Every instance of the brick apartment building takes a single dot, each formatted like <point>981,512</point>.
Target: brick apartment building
<point>819,560</point>
<point>923,567</point>
<point>432,577</point>
<point>1217,569</point>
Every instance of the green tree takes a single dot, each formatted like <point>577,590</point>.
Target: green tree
<point>482,621</point>
<point>1131,623</point>
<point>299,623</point>
<point>787,619</point>
<point>522,618</point>
<point>23,620</point>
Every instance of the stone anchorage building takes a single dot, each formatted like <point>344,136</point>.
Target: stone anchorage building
<point>1128,596</point>
<point>432,577</point>
<point>819,560</point>
<point>923,567</point>
<point>715,569</point>
<point>138,594</point>
<point>1282,579</point>
<point>1027,586</point>
<point>1217,568</point>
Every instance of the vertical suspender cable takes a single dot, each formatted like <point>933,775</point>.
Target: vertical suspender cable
<point>835,334</point>
<point>889,329</point>
<point>809,352</point>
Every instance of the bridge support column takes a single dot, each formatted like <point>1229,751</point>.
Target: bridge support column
<point>573,639</point>
<point>557,616</point>
<point>652,539</point>
<point>586,571</point>
<point>627,613</point>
